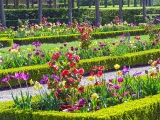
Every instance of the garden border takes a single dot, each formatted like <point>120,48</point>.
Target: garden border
<point>131,59</point>
<point>147,108</point>
<point>74,37</point>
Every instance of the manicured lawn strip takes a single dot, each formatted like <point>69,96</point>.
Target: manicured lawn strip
<point>75,37</point>
<point>144,109</point>
<point>131,59</point>
<point>52,46</point>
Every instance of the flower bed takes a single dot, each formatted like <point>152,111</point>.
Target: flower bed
<point>132,59</point>
<point>147,108</point>
<point>147,85</point>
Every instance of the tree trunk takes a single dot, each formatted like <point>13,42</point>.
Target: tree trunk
<point>97,12</point>
<point>144,11</point>
<point>113,3</point>
<point>50,3</point>
<point>122,3</point>
<point>135,3</point>
<point>120,10</point>
<point>27,4</point>
<point>32,3</point>
<point>39,11</point>
<point>6,2</point>
<point>78,3</point>
<point>105,3</point>
<point>54,3</point>
<point>89,3</point>
<point>14,3</point>
<point>69,11</point>
<point>72,3</point>
<point>141,2</point>
<point>65,3</point>
<point>2,14</point>
<point>129,3</point>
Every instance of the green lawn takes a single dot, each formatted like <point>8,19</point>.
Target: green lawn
<point>74,44</point>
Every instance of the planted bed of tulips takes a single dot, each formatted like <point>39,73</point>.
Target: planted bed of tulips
<point>86,49</point>
<point>65,93</point>
<point>53,29</point>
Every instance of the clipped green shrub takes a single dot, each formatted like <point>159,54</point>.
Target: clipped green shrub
<point>5,42</point>
<point>143,109</point>
<point>62,13</point>
<point>75,37</point>
<point>131,59</point>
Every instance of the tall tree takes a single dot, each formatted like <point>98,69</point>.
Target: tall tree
<point>27,4</point>
<point>89,3</point>
<point>78,3</point>
<point>72,3</point>
<point>97,12</point>
<point>69,11</point>
<point>113,4</point>
<point>2,14</point>
<point>135,3</point>
<point>6,2</point>
<point>129,2</point>
<point>39,11</point>
<point>144,11</point>
<point>105,3</point>
<point>65,3</point>
<point>120,10</point>
<point>32,3</point>
<point>50,3</point>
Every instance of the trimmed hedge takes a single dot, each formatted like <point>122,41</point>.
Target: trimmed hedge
<point>107,14</point>
<point>52,20</point>
<point>5,42</point>
<point>143,109</point>
<point>75,37</point>
<point>131,59</point>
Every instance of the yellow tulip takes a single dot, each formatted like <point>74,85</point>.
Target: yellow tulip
<point>91,78</point>
<point>31,82</point>
<point>95,96</point>
<point>116,66</point>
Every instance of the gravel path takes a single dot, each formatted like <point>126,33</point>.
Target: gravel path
<point>6,94</point>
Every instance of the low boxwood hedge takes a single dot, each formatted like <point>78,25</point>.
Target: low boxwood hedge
<point>143,109</point>
<point>75,37</point>
<point>131,59</point>
<point>5,42</point>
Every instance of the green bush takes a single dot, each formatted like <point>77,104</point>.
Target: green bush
<point>5,42</point>
<point>131,59</point>
<point>75,37</point>
<point>62,13</point>
<point>143,109</point>
<point>52,20</point>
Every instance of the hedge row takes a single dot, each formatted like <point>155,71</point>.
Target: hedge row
<point>143,109</point>
<point>75,37</point>
<point>5,42</point>
<point>107,14</point>
<point>52,20</point>
<point>132,59</point>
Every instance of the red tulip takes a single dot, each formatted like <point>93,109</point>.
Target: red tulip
<point>64,73</point>
<point>99,74</point>
<point>81,71</point>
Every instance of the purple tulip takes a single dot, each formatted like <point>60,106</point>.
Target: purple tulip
<point>25,76</point>
<point>17,75</point>
<point>55,78</point>
<point>81,101</point>
<point>36,44</point>
<point>120,79</point>
<point>125,70</point>
<point>36,53</point>
<point>117,86</point>
<point>15,46</point>
<point>137,74</point>
<point>42,55</point>
<point>29,55</point>
<point>76,49</point>
<point>72,48</point>
<point>44,80</point>
<point>65,44</point>
<point>6,79</point>
<point>95,49</point>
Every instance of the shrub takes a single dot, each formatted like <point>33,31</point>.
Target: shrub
<point>5,42</point>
